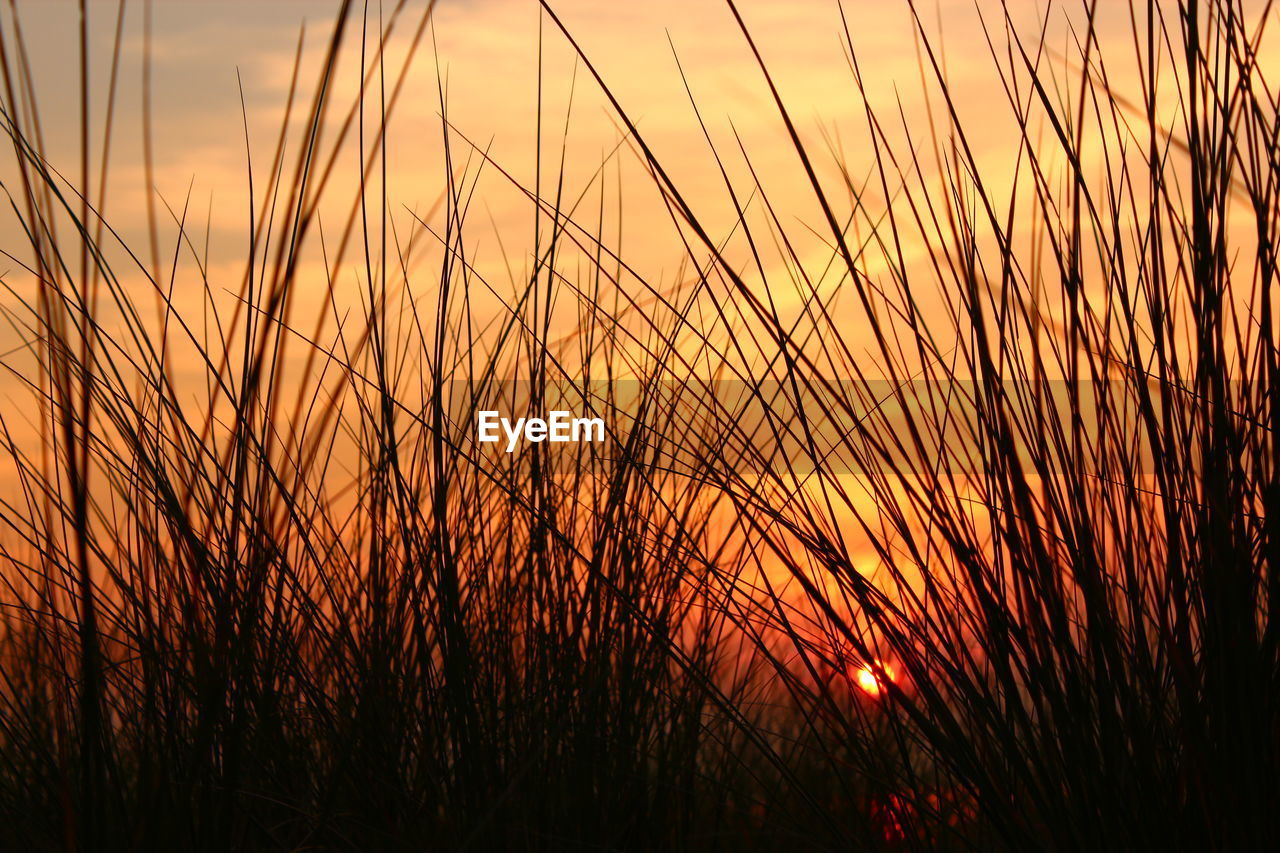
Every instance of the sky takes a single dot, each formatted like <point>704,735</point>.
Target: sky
<point>221,72</point>
<point>485,55</point>
<point>487,51</point>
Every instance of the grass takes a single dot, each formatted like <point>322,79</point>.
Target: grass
<point>264,589</point>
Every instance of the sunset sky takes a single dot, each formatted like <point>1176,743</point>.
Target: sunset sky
<point>487,52</point>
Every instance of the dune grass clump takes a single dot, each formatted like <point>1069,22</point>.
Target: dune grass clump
<point>1035,471</point>
<point>962,538</point>
<point>266,591</point>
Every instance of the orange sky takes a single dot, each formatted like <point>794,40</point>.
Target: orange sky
<point>487,51</point>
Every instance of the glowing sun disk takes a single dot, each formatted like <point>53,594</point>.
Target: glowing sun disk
<point>869,682</point>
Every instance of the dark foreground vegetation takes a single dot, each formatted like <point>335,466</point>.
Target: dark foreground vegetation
<point>1015,587</point>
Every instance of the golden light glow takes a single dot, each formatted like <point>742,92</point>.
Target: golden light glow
<point>869,681</point>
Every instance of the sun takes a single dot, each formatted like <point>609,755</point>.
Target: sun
<point>869,682</point>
